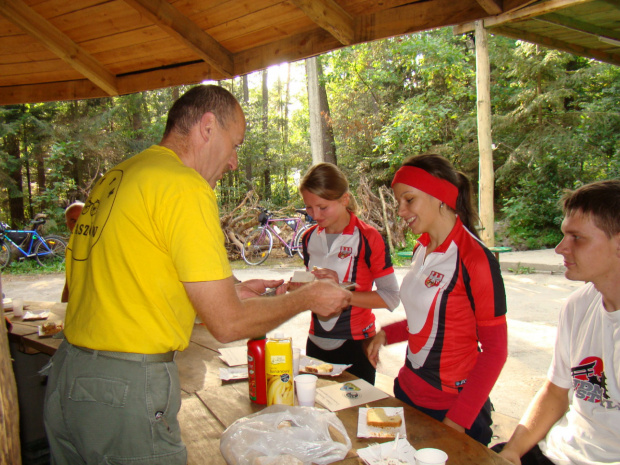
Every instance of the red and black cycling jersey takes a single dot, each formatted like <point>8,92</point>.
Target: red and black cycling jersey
<point>359,255</point>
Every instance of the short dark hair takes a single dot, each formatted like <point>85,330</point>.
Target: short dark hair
<point>197,101</point>
<point>599,199</point>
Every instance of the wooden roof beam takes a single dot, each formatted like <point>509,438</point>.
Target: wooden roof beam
<point>580,26</point>
<point>34,24</point>
<point>595,54</point>
<point>179,26</point>
<point>524,13</point>
<point>331,17</point>
<point>492,7</point>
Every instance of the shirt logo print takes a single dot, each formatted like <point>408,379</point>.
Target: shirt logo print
<point>345,252</point>
<point>434,279</point>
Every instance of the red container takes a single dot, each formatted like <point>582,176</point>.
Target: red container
<point>256,370</point>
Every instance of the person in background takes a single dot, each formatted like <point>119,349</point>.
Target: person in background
<point>575,417</point>
<point>72,213</point>
<point>454,299</point>
<point>147,255</point>
<point>343,248</point>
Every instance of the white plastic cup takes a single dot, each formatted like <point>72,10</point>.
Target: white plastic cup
<point>430,456</point>
<point>305,386</point>
<point>18,307</point>
<point>296,357</point>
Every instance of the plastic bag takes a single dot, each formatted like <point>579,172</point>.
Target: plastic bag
<point>281,434</point>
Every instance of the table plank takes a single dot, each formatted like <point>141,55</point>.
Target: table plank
<point>200,432</point>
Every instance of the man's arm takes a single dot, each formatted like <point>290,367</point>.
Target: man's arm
<point>547,407</point>
<point>230,319</point>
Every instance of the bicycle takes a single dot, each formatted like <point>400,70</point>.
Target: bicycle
<point>48,250</point>
<point>259,243</point>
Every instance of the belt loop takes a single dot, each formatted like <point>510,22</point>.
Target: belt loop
<point>174,357</point>
<point>95,354</point>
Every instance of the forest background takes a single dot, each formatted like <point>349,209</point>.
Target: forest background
<point>556,125</point>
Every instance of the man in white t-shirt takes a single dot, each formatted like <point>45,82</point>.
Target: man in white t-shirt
<point>575,417</point>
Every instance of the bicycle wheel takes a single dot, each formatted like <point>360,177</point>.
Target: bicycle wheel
<point>297,244</point>
<point>50,250</point>
<point>5,254</point>
<point>257,246</point>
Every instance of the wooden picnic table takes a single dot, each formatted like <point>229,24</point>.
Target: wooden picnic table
<point>210,405</point>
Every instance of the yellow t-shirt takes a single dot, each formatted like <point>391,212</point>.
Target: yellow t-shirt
<point>149,225</point>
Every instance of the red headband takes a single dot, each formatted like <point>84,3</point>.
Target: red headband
<point>426,182</point>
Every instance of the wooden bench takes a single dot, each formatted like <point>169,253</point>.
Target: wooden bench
<point>498,250</point>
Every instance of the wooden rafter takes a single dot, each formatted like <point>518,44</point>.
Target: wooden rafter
<point>492,7</point>
<point>595,54</point>
<point>55,40</point>
<point>522,14</point>
<point>330,16</point>
<point>577,25</point>
<point>183,29</point>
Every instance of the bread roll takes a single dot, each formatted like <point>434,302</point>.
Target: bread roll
<point>378,417</point>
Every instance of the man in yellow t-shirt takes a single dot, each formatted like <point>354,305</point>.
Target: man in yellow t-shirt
<point>145,257</point>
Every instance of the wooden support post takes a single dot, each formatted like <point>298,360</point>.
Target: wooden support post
<point>485,148</point>
<point>10,451</point>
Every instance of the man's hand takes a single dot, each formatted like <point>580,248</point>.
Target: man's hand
<point>326,298</point>
<point>511,456</point>
<point>373,346</point>
<point>257,287</point>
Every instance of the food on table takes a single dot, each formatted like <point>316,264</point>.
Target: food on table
<point>50,328</point>
<point>322,368</point>
<point>378,417</point>
<point>302,277</point>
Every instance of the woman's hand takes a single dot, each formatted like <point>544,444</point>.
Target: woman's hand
<point>373,345</point>
<point>451,424</point>
<point>325,273</point>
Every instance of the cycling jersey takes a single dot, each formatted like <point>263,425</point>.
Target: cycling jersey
<point>359,254</point>
<point>450,297</point>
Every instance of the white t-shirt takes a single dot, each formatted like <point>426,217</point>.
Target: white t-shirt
<point>587,361</point>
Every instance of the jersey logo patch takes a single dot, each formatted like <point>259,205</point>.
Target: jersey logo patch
<point>434,279</point>
<point>345,252</point>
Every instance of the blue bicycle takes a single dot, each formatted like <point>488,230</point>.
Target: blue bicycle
<point>29,243</point>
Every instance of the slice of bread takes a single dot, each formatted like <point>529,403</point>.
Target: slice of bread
<point>302,277</point>
<point>378,417</point>
<point>322,368</point>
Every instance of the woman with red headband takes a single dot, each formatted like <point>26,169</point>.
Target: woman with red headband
<point>454,299</point>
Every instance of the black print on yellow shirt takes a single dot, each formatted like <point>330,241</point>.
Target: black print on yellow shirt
<point>95,215</point>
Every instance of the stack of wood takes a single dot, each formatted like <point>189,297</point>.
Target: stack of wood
<point>239,222</point>
<point>377,210</point>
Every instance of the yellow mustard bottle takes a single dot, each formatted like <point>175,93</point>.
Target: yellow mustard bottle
<point>279,370</point>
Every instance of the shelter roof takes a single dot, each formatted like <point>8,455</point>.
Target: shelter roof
<point>75,49</point>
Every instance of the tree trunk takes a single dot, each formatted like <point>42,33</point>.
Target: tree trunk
<point>265,116</point>
<point>248,156</point>
<point>9,419</point>
<point>321,132</point>
<point>16,196</point>
<point>486,186</point>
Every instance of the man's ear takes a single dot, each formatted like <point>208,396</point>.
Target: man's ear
<point>207,123</point>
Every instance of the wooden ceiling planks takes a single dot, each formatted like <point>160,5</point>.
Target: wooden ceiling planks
<point>94,48</point>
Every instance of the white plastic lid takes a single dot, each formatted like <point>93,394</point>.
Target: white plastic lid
<point>278,335</point>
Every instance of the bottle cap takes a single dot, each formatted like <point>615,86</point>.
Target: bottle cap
<point>278,335</point>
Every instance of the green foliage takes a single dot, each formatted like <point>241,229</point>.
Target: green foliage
<point>556,125</point>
